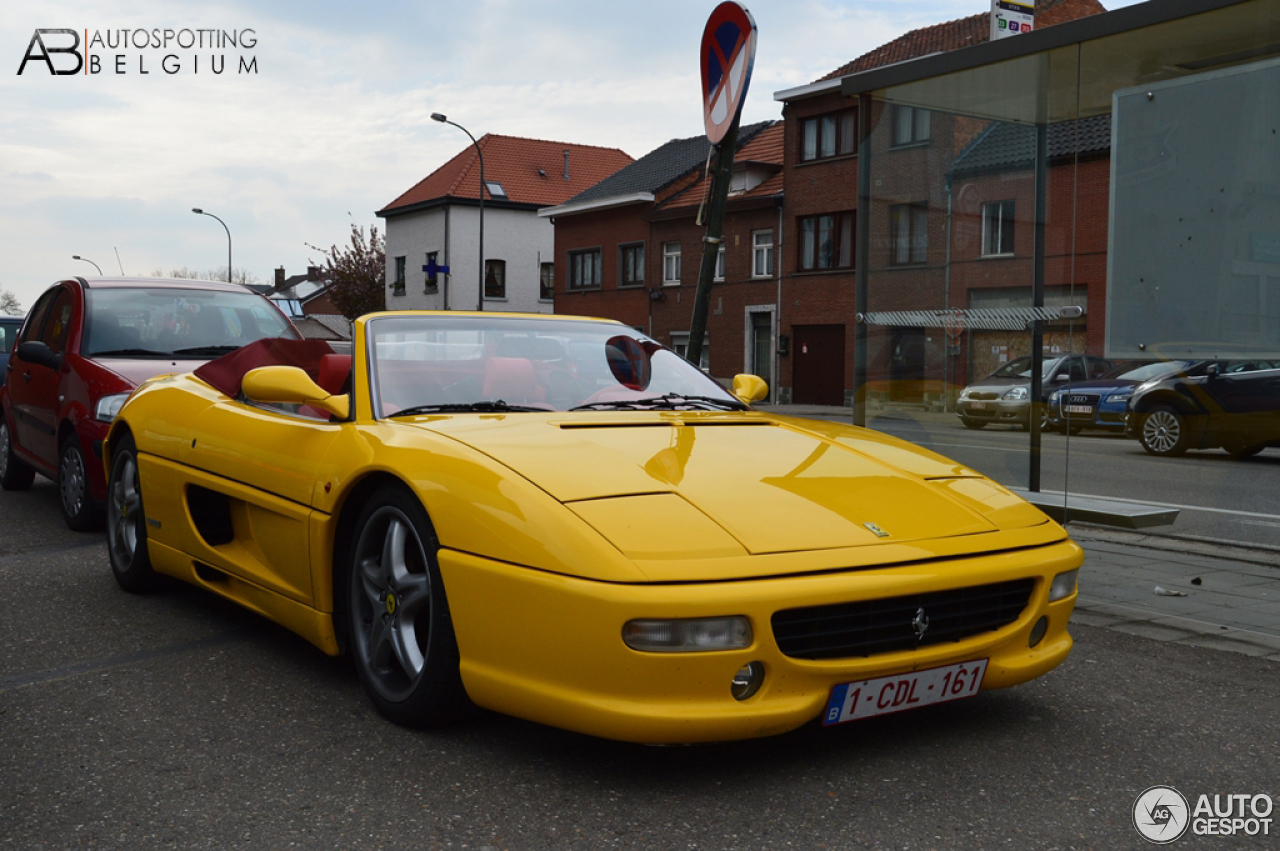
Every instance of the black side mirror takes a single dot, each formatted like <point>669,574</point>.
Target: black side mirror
<point>1213,370</point>
<point>39,353</point>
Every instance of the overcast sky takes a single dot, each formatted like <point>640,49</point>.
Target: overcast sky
<point>335,122</point>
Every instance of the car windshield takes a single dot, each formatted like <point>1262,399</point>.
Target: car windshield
<point>182,322</point>
<point>1140,371</point>
<point>1021,368</point>
<point>448,364</point>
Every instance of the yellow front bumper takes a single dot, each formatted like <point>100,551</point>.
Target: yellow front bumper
<point>549,648</point>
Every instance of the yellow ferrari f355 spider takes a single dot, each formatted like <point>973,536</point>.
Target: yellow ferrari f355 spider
<point>559,519</point>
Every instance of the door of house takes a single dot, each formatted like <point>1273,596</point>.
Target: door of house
<point>762,348</point>
<point>906,365</point>
<point>817,371</point>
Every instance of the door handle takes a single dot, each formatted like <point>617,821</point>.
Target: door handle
<point>26,376</point>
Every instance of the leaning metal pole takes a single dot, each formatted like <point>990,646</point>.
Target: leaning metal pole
<point>711,241</point>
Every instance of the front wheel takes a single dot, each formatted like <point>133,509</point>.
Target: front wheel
<point>73,487</point>
<point>401,634</point>
<point>971,423</point>
<point>1164,432</point>
<point>126,522</point>
<point>15,474</point>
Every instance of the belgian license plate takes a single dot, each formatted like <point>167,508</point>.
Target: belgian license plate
<point>1079,409</point>
<point>883,695</point>
<point>978,406</point>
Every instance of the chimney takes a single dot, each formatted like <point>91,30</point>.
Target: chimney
<point>566,164</point>
<point>279,278</point>
<point>313,273</point>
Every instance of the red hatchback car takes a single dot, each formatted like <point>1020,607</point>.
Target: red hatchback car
<point>84,347</point>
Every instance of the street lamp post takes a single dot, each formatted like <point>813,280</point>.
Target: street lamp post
<point>435,116</point>
<point>87,260</point>
<point>224,227</point>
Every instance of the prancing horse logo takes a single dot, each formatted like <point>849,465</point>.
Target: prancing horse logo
<point>920,623</point>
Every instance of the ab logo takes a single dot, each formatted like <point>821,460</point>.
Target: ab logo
<point>39,51</point>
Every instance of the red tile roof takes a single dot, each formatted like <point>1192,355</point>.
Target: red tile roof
<point>765,148</point>
<point>531,171</point>
<point>964,32</point>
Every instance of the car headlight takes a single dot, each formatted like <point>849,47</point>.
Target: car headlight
<point>109,406</point>
<point>1064,584</point>
<point>1055,396</point>
<point>964,394</point>
<point>1015,394</point>
<point>1117,398</point>
<point>687,635</point>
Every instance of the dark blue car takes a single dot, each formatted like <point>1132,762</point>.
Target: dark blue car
<point>1100,403</point>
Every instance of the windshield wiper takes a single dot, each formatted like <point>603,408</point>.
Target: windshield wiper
<point>667,401</point>
<point>205,350</point>
<point>130,353</point>
<point>496,406</point>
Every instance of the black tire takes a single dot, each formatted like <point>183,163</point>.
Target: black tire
<point>15,474</point>
<point>1163,432</point>
<point>1241,451</point>
<point>1074,429</point>
<point>399,632</point>
<point>127,523</point>
<point>973,424</point>
<point>73,488</point>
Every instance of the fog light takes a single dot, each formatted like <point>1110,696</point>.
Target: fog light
<point>1038,631</point>
<point>747,681</point>
<point>1064,585</point>
<point>687,635</point>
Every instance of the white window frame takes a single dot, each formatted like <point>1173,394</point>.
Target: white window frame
<point>762,253</point>
<point>998,228</point>
<point>670,264</point>
<point>719,273</point>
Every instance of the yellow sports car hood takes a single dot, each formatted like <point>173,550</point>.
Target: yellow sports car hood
<point>697,485</point>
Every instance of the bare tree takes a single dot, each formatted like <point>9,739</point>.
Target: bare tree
<point>9,304</point>
<point>357,274</point>
<point>242,275</point>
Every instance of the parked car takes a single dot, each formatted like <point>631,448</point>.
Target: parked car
<point>1004,396</point>
<point>81,351</point>
<point>9,326</point>
<point>560,519</point>
<point>1100,403</point>
<point>1231,404</point>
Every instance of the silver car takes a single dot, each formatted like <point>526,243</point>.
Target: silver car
<point>1004,396</point>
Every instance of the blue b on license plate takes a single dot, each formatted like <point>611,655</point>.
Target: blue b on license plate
<point>883,695</point>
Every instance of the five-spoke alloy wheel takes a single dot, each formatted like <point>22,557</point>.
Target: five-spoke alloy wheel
<point>126,523</point>
<point>400,633</point>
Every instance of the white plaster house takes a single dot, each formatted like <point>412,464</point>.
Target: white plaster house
<point>437,224</point>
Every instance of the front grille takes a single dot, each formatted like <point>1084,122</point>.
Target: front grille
<point>983,395</point>
<point>1090,399</point>
<point>868,627</point>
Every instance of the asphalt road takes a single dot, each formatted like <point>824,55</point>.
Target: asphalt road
<point>176,720</point>
<point>1218,498</point>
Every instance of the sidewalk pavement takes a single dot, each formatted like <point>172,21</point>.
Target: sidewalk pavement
<point>1159,587</point>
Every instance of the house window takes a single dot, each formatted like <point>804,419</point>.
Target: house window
<point>495,189</point>
<point>631,265</point>
<point>826,241</point>
<point>997,228</point>
<point>719,273</point>
<point>680,345</point>
<point>908,234</point>
<point>495,279</point>
<point>397,286</point>
<point>584,269</point>
<point>761,253</point>
<point>831,135</point>
<point>431,268</point>
<point>670,263</point>
<point>547,282</point>
<point>910,125</point>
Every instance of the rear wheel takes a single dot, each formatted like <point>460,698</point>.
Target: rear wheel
<point>1164,432</point>
<point>126,522</point>
<point>73,487</point>
<point>400,632</point>
<point>15,474</point>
